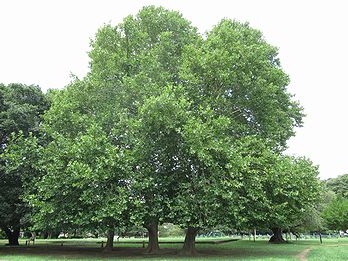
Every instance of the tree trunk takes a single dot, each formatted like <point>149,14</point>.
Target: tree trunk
<point>12,236</point>
<point>277,236</point>
<point>110,241</point>
<point>53,234</point>
<point>44,234</point>
<point>189,247</point>
<point>153,245</point>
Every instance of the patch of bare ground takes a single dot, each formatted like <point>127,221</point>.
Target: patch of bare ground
<point>302,256</point>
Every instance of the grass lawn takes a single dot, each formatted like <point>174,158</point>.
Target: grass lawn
<point>328,253</point>
<point>89,249</point>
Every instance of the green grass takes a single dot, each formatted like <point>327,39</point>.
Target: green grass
<point>329,253</point>
<point>88,249</point>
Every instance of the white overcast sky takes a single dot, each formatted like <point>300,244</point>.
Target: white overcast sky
<point>42,42</point>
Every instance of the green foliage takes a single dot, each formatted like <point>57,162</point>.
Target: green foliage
<point>17,177</point>
<point>312,219</point>
<point>336,214</point>
<point>276,191</point>
<point>238,74</point>
<point>335,207</point>
<point>140,56</point>
<point>20,117</point>
<point>170,230</point>
<point>158,150</point>
<point>169,126</point>
<point>129,62</point>
<point>296,188</point>
<point>339,185</point>
<point>20,109</point>
<point>85,182</point>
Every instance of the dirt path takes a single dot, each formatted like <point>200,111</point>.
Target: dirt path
<point>303,255</point>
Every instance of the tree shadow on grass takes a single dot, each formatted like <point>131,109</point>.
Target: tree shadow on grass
<point>48,252</point>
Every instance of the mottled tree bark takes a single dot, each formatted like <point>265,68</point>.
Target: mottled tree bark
<point>189,247</point>
<point>277,236</point>
<point>153,245</point>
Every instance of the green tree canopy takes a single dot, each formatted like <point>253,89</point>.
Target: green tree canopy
<point>239,75</point>
<point>339,185</point>
<point>21,110</point>
<point>181,116</point>
<point>129,63</point>
<point>89,176</point>
<point>336,214</point>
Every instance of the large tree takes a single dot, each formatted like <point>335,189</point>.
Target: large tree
<point>183,107</point>
<point>173,146</point>
<point>129,62</point>
<point>21,109</point>
<point>237,74</point>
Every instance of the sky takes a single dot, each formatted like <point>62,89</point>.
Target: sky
<point>43,42</point>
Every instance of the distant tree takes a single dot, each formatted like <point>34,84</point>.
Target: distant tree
<point>339,185</point>
<point>312,220</point>
<point>293,189</point>
<point>335,208</point>
<point>21,110</point>
<point>336,214</point>
<point>287,188</point>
